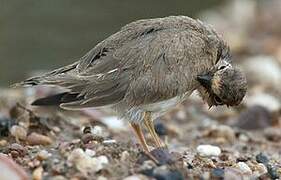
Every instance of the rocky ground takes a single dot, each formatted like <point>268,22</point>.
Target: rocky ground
<point>222,143</point>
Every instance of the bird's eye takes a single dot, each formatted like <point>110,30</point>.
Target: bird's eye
<point>222,67</point>
<point>218,100</point>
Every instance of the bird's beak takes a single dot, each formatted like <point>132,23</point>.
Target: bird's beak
<point>205,80</point>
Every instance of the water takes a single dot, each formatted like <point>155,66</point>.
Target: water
<point>40,34</point>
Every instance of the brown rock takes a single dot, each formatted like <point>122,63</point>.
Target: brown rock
<point>38,139</point>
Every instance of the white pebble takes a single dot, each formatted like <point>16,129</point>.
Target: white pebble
<point>86,164</point>
<point>109,141</point>
<point>208,150</point>
<point>90,152</point>
<point>244,168</point>
<point>18,132</point>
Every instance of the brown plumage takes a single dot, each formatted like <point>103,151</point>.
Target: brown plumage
<point>146,68</point>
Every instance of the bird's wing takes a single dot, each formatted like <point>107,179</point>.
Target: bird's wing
<point>147,61</point>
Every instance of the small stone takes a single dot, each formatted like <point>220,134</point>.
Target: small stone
<point>37,173</point>
<point>208,150</point>
<point>261,169</point>
<point>272,171</point>
<point>262,158</point>
<point>3,143</point>
<point>233,173</point>
<point>56,129</point>
<point>125,156</point>
<point>217,173</point>
<point>38,139</point>
<point>43,155</point>
<point>244,168</point>
<point>90,152</point>
<point>161,129</point>
<point>109,141</point>
<point>136,177</point>
<point>18,132</point>
<point>5,125</point>
<point>273,134</point>
<point>86,164</point>
<point>12,170</point>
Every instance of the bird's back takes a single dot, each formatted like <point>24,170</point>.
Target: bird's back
<point>146,62</point>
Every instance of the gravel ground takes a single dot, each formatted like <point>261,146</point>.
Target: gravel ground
<point>222,143</point>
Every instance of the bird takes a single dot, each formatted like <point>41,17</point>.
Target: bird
<point>147,68</point>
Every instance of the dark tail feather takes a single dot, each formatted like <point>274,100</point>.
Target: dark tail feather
<point>57,99</point>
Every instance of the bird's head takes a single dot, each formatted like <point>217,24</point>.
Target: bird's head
<point>223,85</point>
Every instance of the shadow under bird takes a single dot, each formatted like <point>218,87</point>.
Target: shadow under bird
<point>147,68</point>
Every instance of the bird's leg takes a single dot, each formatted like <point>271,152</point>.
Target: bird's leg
<point>140,136</point>
<point>150,126</point>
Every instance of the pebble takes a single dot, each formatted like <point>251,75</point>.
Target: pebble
<point>109,141</point>
<point>125,156</point>
<point>3,143</point>
<point>161,129</point>
<point>208,150</point>
<point>38,139</point>
<point>90,152</point>
<point>217,173</point>
<point>244,168</point>
<point>5,125</point>
<point>262,158</point>
<point>86,164</point>
<point>260,169</point>
<point>136,177</point>
<point>12,170</point>
<point>272,171</point>
<point>273,134</point>
<point>37,173</point>
<point>43,155</point>
<point>18,132</point>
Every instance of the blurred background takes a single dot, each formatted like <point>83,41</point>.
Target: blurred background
<point>40,34</point>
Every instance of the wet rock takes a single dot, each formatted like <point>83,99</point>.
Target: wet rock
<point>272,171</point>
<point>162,156</point>
<point>11,170</point>
<point>86,164</point>
<point>273,134</point>
<point>37,173</point>
<point>18,132</point>
<point>262,158</point>
<point>161,129</point>
<point>38,139</point>
<point>208,150</point>
<point>265,100</point>
<point>255,117</point>
<point>245,169</point>
<point>5,125</point>
<point>217,173</point>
